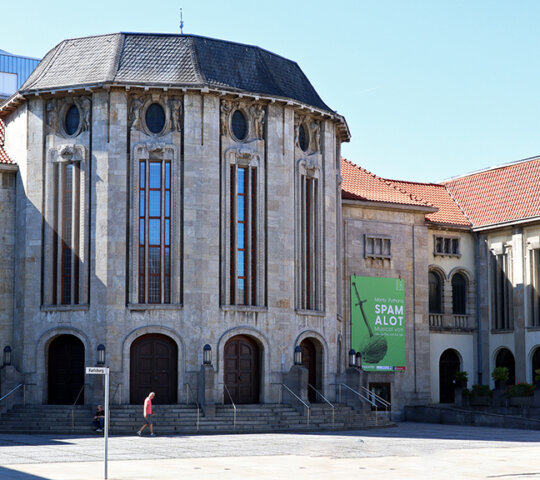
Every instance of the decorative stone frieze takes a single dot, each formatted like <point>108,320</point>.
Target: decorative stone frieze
<point>172,107</point>
<point>255,115</point>
<point>312,128</point>
<point>57,109</point>
<point>68,153</point>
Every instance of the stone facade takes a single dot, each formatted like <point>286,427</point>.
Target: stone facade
<point>107,147</point>
<point>408,234</point>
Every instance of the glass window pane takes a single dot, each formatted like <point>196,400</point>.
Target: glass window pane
<point>241,236</point>
<point>141,261</point>
<point>154,289</point>
<point>155,175</point>
<point>167,174</point>
<point>141,204</point>
<point>167,232</point>
<point>142,174</point>
<point>241,177</point>
<point>154,203</point>
<point>241,213</point>
<point>167,203</point>
<point>154,230</point>
<point>167,261</point>
<point>154,260</point>
<point>240,267</point>
<point>141,231</point>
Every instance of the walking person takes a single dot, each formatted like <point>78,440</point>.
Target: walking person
<point>147,412</point>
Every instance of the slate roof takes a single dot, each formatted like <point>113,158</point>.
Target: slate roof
<point>502,194</point>
<point>360,184</point>
<point>449,212</point>
<point>4,157</point>
<point>171,60</point>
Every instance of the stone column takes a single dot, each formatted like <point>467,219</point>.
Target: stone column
<point>206,392</point>
<point>297,380</point>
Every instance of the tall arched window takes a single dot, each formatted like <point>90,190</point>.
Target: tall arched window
<point>459,294</point>
<point>435,293</point>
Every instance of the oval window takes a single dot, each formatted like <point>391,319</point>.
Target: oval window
<point>155,118</point>
<point>72,120</point>
<point>239,125</point>
<point>303,139</point>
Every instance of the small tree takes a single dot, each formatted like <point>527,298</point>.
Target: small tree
<point>500,374</point>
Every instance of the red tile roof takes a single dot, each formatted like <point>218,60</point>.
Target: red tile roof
<point>4,158</point>
<point>502,194</point>
<point>359,184</point>
<point>449,211</point>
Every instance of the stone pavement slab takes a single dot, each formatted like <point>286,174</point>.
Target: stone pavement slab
<point>409,451</point>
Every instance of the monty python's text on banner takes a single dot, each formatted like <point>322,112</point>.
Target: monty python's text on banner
<point>378,322</point>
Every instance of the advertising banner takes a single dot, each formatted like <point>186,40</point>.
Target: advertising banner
<point>378,322</point>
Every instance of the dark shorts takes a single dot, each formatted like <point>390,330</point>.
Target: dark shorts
<point>148,419</point>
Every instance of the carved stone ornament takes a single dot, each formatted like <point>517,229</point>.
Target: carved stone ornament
<point>134,117</point>
<point>313,128</point>
<point>255,116</point>
<point>309,167</point>
<point>85,107</point>
<point>243,156</point>
<point>52,116</point>
<point>163,151</point>
<point>70,152</point>
<point>172,106</point>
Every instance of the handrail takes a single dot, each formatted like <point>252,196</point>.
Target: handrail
<point>12,391</point>
<point>298,398</point>
<point>188,391</point>
<point>326,400</point>
<point>118,386</point>
<point>386,403</point>
<point>234,406</point>
<point>372,403</point>
<point>73,405</point>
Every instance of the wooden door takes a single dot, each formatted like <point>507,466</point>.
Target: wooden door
<point>154,368</point>
<point>309,360</point>
<point>449,365</point>
<point>241,372</point>
<point>65,370</point>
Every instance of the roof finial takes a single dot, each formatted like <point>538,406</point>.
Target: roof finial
<point>181,23</point>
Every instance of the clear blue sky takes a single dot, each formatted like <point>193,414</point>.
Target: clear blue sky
<point>430,89</point>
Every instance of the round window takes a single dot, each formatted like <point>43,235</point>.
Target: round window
<point>239,125</point>
<point>155,118</point>
<point>303,139</point>
<point>72,120</point>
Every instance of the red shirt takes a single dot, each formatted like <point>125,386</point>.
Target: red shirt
<point>148,406</point>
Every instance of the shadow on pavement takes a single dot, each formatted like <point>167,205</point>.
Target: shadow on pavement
<point>442,432</point>
<point>10,474</point>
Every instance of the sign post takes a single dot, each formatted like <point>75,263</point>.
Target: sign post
<point>103,371</point>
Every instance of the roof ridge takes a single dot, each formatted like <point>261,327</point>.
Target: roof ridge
<point>387,182</point>
<point>489,169</point>
<point>115,62</point>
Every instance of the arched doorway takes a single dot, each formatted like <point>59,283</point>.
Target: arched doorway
<point>311,361</point>
<point>535,363</point>
<point>65,370</point>
<point>505,358</point>
<point>241,373</point>
<point>154,368</point>
<point>449,364</point>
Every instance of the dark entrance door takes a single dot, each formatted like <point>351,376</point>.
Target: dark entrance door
<point>154,368</point>
<point>449,364</point>
<point>66,370</point>
<point>241,372</point>
<point>505,358</point>
<point>309,360</point>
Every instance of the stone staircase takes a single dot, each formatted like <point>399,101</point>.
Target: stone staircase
<point>182,419</point>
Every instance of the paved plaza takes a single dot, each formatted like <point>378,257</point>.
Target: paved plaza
<point>408,451</point>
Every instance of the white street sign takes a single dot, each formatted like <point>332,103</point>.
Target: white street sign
<point>97,370</point>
